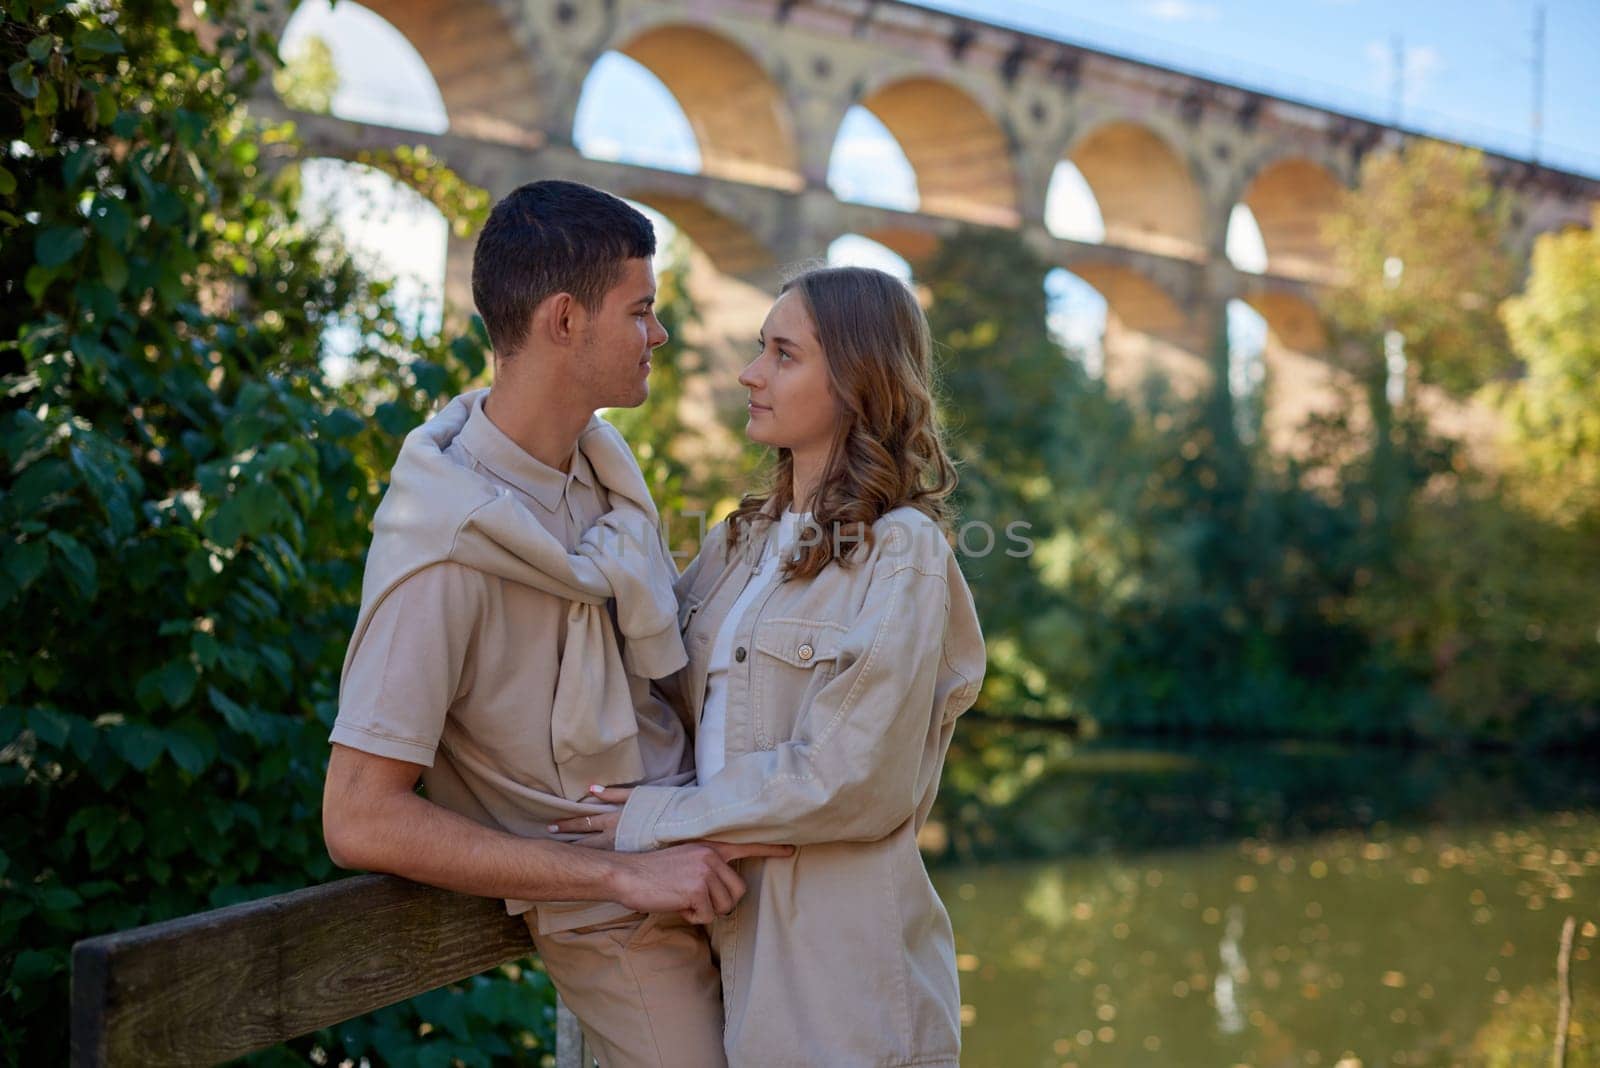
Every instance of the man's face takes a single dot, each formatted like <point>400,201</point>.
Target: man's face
<point>612,364</point>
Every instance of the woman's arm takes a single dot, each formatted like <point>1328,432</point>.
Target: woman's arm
<point>854,769</point>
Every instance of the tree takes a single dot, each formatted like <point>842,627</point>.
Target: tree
<point>1488,588</point>
<point>1420,247</point>
<point>1177,580</point>
<point>186,500</point>
<point>1554,409</point>
<point>1037,444</point>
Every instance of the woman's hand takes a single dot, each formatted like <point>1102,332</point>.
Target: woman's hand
<point>599,830</point>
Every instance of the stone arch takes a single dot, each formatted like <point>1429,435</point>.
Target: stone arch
<point>1290,198</point>
<point>869,250</point>
<point>1076,316</point>
<point>1303,380</point>
<point>1292,321</point>
<point>866,165</point>
<point>1148,197</point>
<point>477,59</point>
<point>1134,300</point>
<point>728,244</point>
<point>961,155</point>
<point>912,245</point>
<point>388,227</point>
<point>730,279</point>
<point>738,114</point>
<point>1147,331</point>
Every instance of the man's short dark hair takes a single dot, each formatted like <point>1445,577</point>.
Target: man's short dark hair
<point>546,238</point>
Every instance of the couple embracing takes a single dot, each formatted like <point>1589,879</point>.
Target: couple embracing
<point>702,793</point>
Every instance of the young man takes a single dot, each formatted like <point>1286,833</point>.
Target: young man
<point>517,598</point>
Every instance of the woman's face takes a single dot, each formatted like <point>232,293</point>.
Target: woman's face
<point>792,405</point>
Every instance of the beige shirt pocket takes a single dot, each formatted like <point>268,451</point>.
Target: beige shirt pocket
<point>797,656</point>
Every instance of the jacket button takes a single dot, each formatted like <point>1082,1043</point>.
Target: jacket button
<point>738,654</point>
<point>806,652</point>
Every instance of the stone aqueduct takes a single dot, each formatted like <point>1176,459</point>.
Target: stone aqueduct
<point>983,114</point>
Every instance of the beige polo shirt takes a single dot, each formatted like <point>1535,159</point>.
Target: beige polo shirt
<point>457,669</point>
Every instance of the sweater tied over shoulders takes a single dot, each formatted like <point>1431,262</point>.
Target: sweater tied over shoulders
<point>438,509</point>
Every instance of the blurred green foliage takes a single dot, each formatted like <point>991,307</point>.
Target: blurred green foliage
<point>1180,579</point>
<point>1419,245</point>
<point>1487,586</point>
<point>1375,586</point>
<point>308,78</point>
<point>1554,409</point>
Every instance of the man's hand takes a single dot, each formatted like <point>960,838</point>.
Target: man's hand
<point>696,879</point>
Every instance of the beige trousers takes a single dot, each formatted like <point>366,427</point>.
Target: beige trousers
<point>644,988</point>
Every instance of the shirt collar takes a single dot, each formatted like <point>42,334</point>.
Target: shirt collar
<point>490,446</point>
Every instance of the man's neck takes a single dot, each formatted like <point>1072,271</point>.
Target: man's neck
<point>548,431</point>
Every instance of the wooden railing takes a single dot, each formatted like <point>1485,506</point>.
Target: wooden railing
<point>216,985</point>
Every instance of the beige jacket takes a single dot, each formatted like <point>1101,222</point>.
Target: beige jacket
<point>842,699</point>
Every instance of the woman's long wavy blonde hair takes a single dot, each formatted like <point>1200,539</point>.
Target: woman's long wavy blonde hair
<point>888,451</point>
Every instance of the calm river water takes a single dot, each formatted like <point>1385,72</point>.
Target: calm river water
<point>1132,904</point>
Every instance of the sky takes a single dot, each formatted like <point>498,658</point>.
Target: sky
<point>1466,73</point>
<point>1467,68</point>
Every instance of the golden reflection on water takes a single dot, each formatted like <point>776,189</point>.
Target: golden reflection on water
<point>1384,945</point>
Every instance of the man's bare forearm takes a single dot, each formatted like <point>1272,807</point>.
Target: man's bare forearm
<point>410,836</point>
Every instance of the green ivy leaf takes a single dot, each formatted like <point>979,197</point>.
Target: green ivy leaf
<point>78,161</point>
<point>105,106</point>
<point>79,563</point>
<point>97,823</point>
<point>57,245</point>
<point>59,898</point>
<point>176,680</point>
<point>25,562</point>
<point>192,746</point>
<point>32,966</point>
<point>51,726</point>
<point>47,100</point>
<point>23,79</point>
<point>85,739</point>
<point>137,743</point>
<point>113,266</point>
<point>393,418</point>
<point>112,219</point>
<point>101,40</point>
<point>38,280</point>
<point>206,648</point>
<point>431,378</point>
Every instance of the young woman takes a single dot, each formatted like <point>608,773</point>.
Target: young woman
<point>832,644</point>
